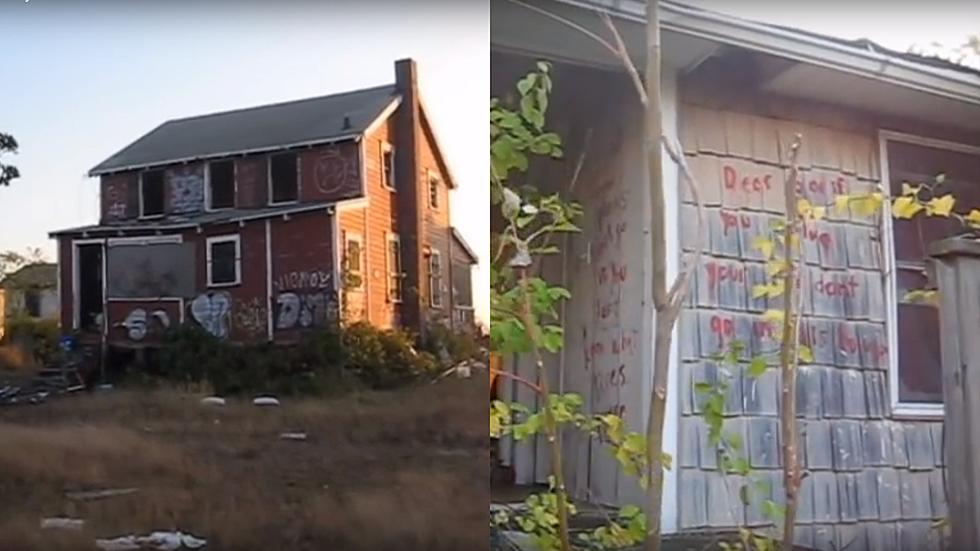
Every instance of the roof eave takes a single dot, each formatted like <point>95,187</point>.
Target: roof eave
<point>96,171</point>
<point>724,29</point>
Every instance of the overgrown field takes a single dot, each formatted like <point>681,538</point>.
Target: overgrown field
<point>395,470</point>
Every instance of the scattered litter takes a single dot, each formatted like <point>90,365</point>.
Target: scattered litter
<point>104,387</point>
<point>62,524</point>
<point>213,401</point>
<point>301,436</point>
<point>165,541</point>
<point>266,401</point>
<point>463,371</point>
<point>100,494</point>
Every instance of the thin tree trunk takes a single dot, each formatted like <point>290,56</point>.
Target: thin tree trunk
<point>664,323</point>
<point>788,356</point>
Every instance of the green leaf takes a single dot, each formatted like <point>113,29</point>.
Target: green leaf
<point>525,84</point>
<point>757,367</point>
<point>805,354</point>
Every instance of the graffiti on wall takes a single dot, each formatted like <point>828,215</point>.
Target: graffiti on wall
<point>138,324</point>
<point>250,316</point>
<point>334,172</point>
<point>302,310</point>
<point>115,199</point>
<point>212,310</point>
<point>186,189</point>
<point>303,279</point>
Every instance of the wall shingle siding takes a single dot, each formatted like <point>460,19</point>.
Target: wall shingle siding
<point>874,482</point>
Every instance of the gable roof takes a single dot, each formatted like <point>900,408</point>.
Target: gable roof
<point>263,128</point>
<point>458,237</point>
<point>39,275</point>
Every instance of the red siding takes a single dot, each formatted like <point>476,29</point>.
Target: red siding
<point>382,221</point>
<point>330,172</point>
<point>65,273</point>
<point>251,179</point>
<point>436,233</point>
<point>142,321</point>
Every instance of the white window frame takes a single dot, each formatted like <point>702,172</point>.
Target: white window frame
<point>211,241</point>
<point>392,182</point>
<point>164,191</point>
<point>268,169</point>
<point>207,185</point>
<point>914,410</point>
<point>435,280</point>
<point>357,237</point>
<point>390,273</point>
<point>432,179</point>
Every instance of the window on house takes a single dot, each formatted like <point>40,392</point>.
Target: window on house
<point>434,191</point>
<point>283,178</point>
<point>354,257</point>
<point>435,279</point>
<point>32,303</point>
<point>151,193</point>
<point>221,185</point>
<point>394,268</point>
<point>916,364</point>
<point>388,165</point>
<point>462,286</point>
<point>224,258</point>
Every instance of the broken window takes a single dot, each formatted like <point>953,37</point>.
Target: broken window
<point>283,178</point>
<point>435,279</point>
<point>433,191</point>
<point>394,268</point>
<point>221,185</point>
<point>388,166</point>
<point>151,193</point>
<point>224,260</point>
<point>918,355</point>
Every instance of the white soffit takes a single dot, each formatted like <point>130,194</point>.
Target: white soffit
<point>830,86</point>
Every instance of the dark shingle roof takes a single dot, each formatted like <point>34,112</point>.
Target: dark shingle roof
<point>266,127</point>
<point>39,275</point>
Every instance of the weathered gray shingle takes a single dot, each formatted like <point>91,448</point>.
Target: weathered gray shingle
<point>874,388</point>
<point>762,393</point>
<point>763,443</point>
<point>938,443</point>
<point>867,495</point>
<point>916,499</point>
<point>937,494</point>
<point>860,253</point>
<point>688,335</point>
<point>855,405</point>
<point>899,448</point>
<point>919,440</point>
<point>847,351</point>
<point>851,537</point>
<point>877,444</point>
<point>690,439</point>
<point>809,401</point>
<point>694,507</point>
<point>848,447</point>
<point>826,502</point>
<point>847,492</point>
<point>725,508</point>
<point>832,387</point>
<point>874,345</point>
<point>723,230</point>
<point>889,495</point>
<point>818,445</point>
<point>882,537</point>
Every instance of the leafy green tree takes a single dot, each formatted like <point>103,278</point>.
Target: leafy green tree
<point>8,172</point>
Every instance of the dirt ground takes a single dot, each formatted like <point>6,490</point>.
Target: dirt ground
<point>400,470</point>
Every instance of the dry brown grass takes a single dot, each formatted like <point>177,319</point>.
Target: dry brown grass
<point>400,470</point>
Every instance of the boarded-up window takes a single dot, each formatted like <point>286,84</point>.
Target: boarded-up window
<point>433,191</point>
<point>919,368</point>
<point>462,286</point>
<point>221,185</point>
<point>151,193</point>
<point>283,178</point>
<point>354,258</point>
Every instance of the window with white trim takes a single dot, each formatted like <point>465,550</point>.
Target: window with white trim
<point>224,257</point>
<point>221,185</point>
<point>388,165</point>
<point>435,279</point>
<point>283,178</point>
<point>151,193</point>
<point>946,168</point>
<point>394,262</point>
<point>354,259</point>
<point>434,183</point>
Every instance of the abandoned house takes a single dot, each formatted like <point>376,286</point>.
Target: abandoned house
<point>261,223</point>
<point>735,93</point>
<point>29,292</point>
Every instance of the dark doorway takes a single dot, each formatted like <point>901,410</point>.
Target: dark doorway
<point>90,297</point>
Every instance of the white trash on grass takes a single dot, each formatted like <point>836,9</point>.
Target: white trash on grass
<point>266,401</point>
<point>62,524</point>
<point>164,541</point>
<point>213,401</point>
<point>300,436</point>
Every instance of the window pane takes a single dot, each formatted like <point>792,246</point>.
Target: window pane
<point>388,167</point>
<point>152,193</point>
<point>433,193</point>
<point>222,184</point>
<point>284,185</point>
<point>462,285</point>
<point>919,362</point>
<point>354,255</point>
<point>223,262</point>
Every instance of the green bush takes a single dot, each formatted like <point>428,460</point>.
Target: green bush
<point>385,358</point>
<point>39,336</point>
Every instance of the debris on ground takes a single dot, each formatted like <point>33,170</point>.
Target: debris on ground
<point>300,436</point>
<point>62,524</point>
<point>266,401</point>
<point>100,494</point>
<point>165,541</point>
<point>213,401</point>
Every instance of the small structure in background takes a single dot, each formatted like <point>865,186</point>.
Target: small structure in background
<point>30,292</point>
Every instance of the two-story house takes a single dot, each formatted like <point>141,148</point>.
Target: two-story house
<point>260,223</point>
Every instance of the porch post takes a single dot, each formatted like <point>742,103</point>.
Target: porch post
<point>957,263</point>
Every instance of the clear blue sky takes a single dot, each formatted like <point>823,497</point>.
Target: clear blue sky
<point>80,80</point>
